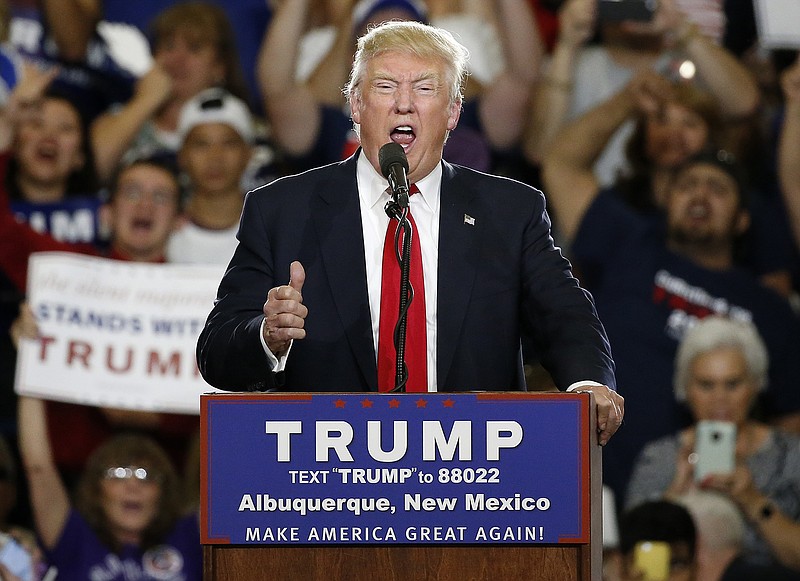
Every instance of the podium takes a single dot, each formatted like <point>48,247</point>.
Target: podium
<point>452,486</point>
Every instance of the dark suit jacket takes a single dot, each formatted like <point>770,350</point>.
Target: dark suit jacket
<point>497,276</point>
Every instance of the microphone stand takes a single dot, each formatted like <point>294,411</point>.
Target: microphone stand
<point>404,230</point>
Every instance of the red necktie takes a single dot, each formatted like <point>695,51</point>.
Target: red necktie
<point>416,353</point>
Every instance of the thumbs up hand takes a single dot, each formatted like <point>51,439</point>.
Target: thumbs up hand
<point>285,313</point>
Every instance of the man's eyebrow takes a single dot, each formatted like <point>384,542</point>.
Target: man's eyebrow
<point>382,75</point>
<point>387,76</point>
<point>428,76</point>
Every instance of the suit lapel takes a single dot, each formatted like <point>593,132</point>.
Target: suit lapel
<point>337,220</point>
<point>459,236</point>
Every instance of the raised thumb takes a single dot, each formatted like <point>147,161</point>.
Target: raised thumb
<point>297,276</point>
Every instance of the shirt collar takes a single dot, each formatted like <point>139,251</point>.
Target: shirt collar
<point>372,185</point>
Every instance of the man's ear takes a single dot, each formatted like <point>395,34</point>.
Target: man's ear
<point>355,107</point>
<point>455,114</point>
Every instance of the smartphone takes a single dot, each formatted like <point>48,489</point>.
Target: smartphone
<point>715,446</point>
<point>619,10</point>
<point>16,558</point>
<point>651,560</point>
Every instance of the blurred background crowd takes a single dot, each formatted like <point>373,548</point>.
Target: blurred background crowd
<point>666,140</point>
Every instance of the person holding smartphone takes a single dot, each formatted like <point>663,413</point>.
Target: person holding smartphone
<point>720,369</point>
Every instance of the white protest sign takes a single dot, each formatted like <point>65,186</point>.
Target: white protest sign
<point>115,333</point>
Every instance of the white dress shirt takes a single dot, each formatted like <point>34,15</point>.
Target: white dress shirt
<point>424,206</point>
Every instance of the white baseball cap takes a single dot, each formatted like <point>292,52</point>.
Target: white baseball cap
<point>216,105</point>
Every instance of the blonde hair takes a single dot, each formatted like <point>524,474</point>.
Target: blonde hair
<point>415,38</point>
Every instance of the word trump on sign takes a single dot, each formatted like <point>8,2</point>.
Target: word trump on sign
<point>337,436</point>
<point>116,333</point>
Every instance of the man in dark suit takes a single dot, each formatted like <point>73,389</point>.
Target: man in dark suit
<point>491,271</point>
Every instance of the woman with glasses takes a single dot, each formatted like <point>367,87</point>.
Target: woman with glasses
<point>125,522</point>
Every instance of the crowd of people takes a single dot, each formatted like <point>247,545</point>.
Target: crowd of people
<point>668,152</point>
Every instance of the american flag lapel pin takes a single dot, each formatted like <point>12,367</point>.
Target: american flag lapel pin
<point>469,220</point>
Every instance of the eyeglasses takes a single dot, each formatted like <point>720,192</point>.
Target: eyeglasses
<point>128,472</point>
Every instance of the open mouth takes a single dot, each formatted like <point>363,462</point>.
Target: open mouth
<point>47,151</point>
<point>403,135</point>
<point>142,225</point>
<point>132,508</point>
<point>698,211</point>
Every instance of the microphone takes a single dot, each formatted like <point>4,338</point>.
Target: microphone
<point>394,166</point>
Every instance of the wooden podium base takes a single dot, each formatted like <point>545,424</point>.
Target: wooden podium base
<point>409,563</point>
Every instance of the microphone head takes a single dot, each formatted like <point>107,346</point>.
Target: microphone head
<point>390,154</point>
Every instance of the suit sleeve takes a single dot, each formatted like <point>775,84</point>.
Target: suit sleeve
<point>229,351</point>
<point>566,329</point>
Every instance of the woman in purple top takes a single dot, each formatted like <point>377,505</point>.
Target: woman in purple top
<point>126,523</point>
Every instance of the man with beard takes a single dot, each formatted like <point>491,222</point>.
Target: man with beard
<point>651,283</point>
<point>672,122</point>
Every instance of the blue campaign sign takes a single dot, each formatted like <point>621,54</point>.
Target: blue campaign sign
<point>446,468</point>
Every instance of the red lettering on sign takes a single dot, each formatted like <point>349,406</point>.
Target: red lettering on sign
<point>79,350</point>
